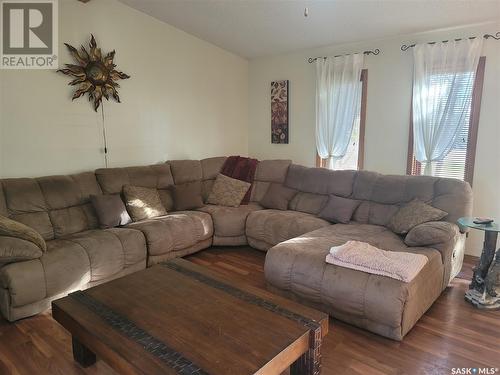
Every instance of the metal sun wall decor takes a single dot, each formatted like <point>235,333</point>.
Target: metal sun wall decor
<point>95,74</point>
<point>279,112</point>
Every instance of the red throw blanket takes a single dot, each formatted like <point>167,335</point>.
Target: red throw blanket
<point>241,169</point>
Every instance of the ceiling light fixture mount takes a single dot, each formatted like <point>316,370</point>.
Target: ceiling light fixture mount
<point>306,12</point>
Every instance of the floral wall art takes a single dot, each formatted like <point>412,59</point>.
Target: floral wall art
<point>279,112</point>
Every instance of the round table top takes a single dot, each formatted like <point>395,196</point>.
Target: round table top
<point>469,222</point>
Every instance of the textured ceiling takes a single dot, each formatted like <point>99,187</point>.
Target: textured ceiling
<point>254,28</point>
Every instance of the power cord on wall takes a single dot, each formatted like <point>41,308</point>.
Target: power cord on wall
<point>104,136</point>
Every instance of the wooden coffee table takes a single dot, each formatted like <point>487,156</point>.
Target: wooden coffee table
<point>181,318</point>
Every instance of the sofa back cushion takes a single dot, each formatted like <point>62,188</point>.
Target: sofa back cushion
<point>308,202</point>
<point>205,171</point>
<point>382,195</point>
<point>267,172</point>
<point>320,180</point>
<point>158,176</point>
<point>210,168</point>
<point>55,206</point>
<point>277,197</point>
<point>315,185</point>
<point>187,196</point>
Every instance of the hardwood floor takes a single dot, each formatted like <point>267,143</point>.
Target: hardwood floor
<point>451,334</point>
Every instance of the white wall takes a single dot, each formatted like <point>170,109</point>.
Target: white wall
<point>388,110</point>
<point>186,98</point>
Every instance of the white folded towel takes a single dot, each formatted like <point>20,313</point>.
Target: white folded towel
<point>364,257</point>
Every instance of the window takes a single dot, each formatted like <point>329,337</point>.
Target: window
<point>459,163</point>
<point>353,159</point>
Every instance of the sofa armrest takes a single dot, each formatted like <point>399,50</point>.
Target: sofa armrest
<point>432,233</point>
<point>446,238</point>
<point>14,249</point>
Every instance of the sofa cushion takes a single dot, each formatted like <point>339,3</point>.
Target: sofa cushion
<point>272,170</point>
<point>112,180</point>
<point>185,171</point>
<point>143,203</point>
<point>158,176</point>
<point>320,180</point>
<point>268,171</point>
<point>25,203</point>
<point>270,227</point>
<point>70,257</point>
<point>228,191</point>
<point>308,202</point>
<point>450,195</point>
<point>175,231</point>
<point>339,209</point>
<point>110,250</point>
<point>380,304</point>
<point>187,196</point>
<point>110,210</point>
<point>211,167</point>
<point>230,221</point>
<point>412,214</point>
<point>68,202</point>
<point>277,197</point>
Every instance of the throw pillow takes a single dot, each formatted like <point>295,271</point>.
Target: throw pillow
<point>12,228</point>
<point>187,196</point>
<point>412,214</point>
<point>110,210</point>
<point>143,203</point>
<point>277,197</point>
<point>339,209</point>
<point>431,233</point>
<point>228,191</point>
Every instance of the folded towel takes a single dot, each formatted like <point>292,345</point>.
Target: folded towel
<point>364,257</point>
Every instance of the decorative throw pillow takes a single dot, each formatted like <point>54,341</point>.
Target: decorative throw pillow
<point>431,233</point>
<point>277,197</point>
<point>228,191</point>
<point>143,203</point>
<point>339,209</point>
<point>187,196</point>
<point>12,228</point>
<point>412,214</point>
<point>110,210</point>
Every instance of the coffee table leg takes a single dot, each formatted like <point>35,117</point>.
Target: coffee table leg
<point>309,363</point>
<point>82,354</point>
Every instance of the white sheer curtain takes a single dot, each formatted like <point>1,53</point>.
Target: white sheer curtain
<point>439,89</point>
<point>338,99</point>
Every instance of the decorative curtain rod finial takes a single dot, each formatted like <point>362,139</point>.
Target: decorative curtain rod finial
<point>496,36</point>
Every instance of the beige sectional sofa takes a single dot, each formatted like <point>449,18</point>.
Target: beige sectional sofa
<point>80,255</point>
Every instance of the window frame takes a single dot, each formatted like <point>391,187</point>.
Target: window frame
<point>414,167</point>
<point>322,163</point>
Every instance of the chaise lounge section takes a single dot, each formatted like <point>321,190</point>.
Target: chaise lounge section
<point>79,255</point>
<point>383,305</point>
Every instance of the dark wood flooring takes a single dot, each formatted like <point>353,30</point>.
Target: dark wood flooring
<point>451,334</point>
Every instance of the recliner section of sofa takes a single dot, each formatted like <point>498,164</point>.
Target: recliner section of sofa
<point>181,231</point>
<point>78,254</point>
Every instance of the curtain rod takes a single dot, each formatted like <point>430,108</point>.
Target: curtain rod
<point>405,47</point>
<point>374,52</point>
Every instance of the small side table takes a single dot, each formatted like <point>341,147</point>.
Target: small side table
<point>484,290</point>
